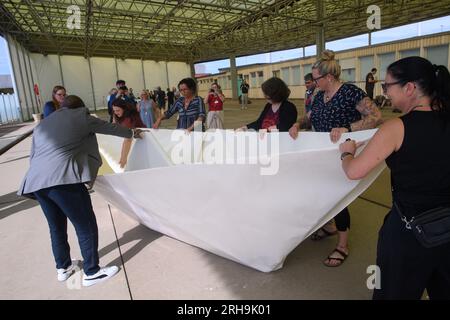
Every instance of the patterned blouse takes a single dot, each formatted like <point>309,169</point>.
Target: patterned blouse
<point>343,110</point>
<point>187,115</point>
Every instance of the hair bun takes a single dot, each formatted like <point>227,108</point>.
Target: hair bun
<point>327,55</point>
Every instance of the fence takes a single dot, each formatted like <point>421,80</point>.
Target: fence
<point>9,109</point>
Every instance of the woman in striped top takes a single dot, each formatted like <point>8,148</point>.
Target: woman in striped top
<point>190,107</point>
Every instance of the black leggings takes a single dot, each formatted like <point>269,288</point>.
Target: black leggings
<point>343,220</point>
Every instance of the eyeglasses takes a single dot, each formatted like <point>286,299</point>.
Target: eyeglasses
<point>385,86</point>
<point>318,78</point>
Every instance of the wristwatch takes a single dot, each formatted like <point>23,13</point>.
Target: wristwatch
<point>349,128</point>
<point>344,154</point>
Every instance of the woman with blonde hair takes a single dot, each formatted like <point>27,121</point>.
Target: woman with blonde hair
<point>58,95</point>
<point>146,108</point>
<point>338,108</point>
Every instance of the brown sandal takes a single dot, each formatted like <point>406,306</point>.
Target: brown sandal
<point>341,260</point>
<point>316,236</point>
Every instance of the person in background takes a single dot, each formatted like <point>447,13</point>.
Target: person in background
<point>161,98</point>
<point>189,107</point>
<point>244,98</point>
<point>279,113</point>
<point>130,94</point>
<point>124,94</point>
<point>113,96</point>
<point>59,169</point>
<point>58,95</point>
<point>338,108</point>
<point>170,98</point>
<point>415,148</point>
<point>311,91</point>
<point>146,108</point>
<point>126,115</point>
<point>214,100</point>
<point>370,82</point>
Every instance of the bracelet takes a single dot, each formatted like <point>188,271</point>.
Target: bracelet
<point>344,154</point>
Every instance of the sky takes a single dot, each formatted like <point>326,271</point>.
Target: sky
<point>4,60</point>
<point>403,32</point>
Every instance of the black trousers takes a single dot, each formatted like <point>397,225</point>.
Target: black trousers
<point>406,267</point>
<point>369,92</point>
<point>342,220</point>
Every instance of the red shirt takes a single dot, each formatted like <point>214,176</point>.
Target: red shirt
<point>214,102</point>
<point>132,122</point>
<point>271,119</point>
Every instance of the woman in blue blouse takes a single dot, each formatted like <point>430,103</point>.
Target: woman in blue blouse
<point>338,108</point>
<point>58,95</point>
<point>190,107</point>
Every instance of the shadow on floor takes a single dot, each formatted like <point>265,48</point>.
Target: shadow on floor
<point>11,203</point>
<point>8,128</point>
<point>141,234</point>
<point>16,159</point>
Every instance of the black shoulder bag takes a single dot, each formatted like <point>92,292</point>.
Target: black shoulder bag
<point>431,228</point>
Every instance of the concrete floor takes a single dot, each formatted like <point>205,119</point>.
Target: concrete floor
<point>154,266</point>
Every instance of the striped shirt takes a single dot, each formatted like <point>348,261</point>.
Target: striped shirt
<point>187,115</point>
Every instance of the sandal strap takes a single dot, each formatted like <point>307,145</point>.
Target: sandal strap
<point>327,232</point>
<point>337,258</point>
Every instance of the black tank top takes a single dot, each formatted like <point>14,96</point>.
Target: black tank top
<point>420,169</point>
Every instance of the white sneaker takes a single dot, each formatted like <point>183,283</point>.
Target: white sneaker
<point>64,274</point>
<point>102,275</point>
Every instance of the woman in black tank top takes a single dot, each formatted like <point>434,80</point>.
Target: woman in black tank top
<point>416,149</point>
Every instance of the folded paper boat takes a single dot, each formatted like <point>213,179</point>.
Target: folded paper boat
<point>251,197</point>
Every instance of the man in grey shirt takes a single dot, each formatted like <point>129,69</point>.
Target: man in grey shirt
<point>64,157</point>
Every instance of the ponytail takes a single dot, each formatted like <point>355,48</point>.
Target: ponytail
<point>441,98</point>
<point>434,81</point>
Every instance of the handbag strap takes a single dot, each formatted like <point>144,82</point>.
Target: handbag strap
<point>403,218</point>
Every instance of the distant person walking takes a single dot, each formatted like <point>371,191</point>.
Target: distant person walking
<point>244,97</point>
<point>370,82</point>
<point>214,100</point>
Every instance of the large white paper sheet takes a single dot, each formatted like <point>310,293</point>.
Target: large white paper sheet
<point>242,212</point>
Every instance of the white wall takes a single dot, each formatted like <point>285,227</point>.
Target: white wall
<point>47,73</point>
<point>155,74</point>
<point>23,80</point>
<point>178,71</point>
<point>103,70</point>
<point>75,72</point>
<point>130,70</point>
<point>77,79</point>
<point>75,76</point>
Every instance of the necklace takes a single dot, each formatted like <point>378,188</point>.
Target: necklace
<point>418,106</point>
<point>331,94</point>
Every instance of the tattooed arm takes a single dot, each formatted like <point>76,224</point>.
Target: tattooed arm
<point>371,116</point>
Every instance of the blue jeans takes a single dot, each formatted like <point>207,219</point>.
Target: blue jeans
<point>74,202</point>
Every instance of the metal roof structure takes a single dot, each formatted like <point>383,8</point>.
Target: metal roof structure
<point>196,30</point>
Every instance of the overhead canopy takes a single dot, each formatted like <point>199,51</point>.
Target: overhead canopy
<point>199,30</point>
